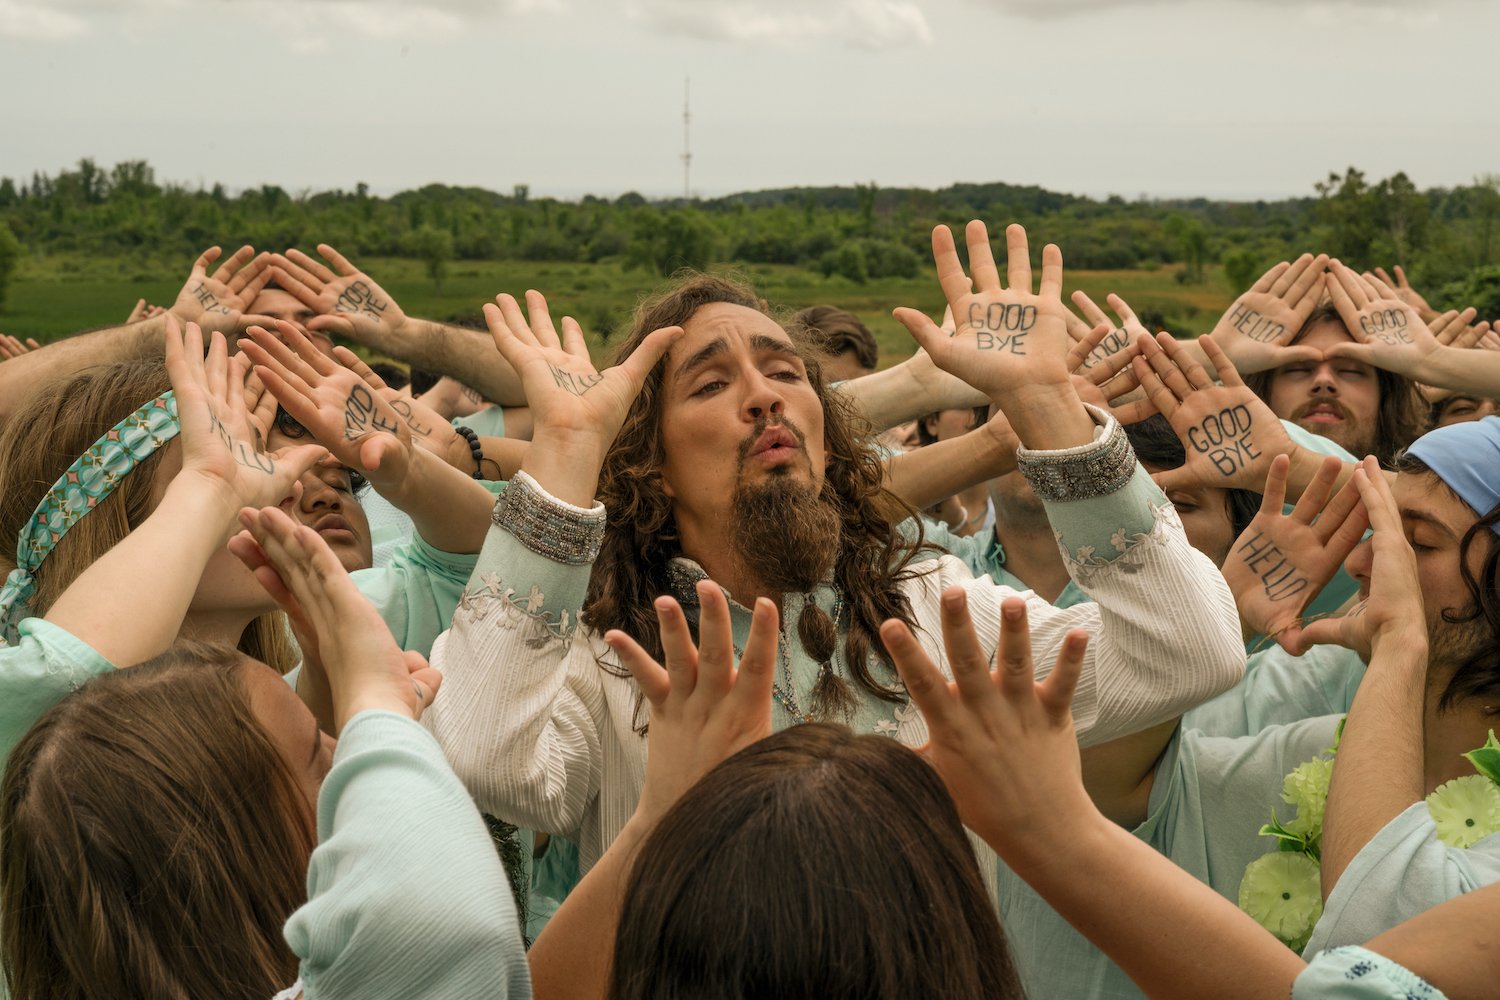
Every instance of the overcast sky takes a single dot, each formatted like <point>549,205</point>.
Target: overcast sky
<point>1223,98</point>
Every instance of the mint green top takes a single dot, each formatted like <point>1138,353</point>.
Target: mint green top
<point>415,595</point>
<point>985,556</point>
<point>1279,688</point>
<point>1401,872</point>
<point>1210,798</point>
<point>1359,974</point>
<point>406,897</point>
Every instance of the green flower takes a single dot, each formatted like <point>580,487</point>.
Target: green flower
<point>1306,787</point>
<point>1486,759</point>
<point>1283,893</point>
<point>1465,810</point>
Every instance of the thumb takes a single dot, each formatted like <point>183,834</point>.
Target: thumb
<point>1296,355</point>
<point>1323,632</point>
<point>1352,351</point>
<point>922,329</point>
<point>384,452</point>
<point>298,459</point>
<point>1180,478</point>
<point>645,357</point>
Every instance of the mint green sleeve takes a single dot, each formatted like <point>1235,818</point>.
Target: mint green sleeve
<point>406,897</point>
<point>418,592</point>
<point>1403,871</point>
<point>1279,688</point>
<point>1360,974</point>
<point>44,667</point>
<point>489,422</point>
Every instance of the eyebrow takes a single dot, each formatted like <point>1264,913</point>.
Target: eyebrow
<point>758,342</point>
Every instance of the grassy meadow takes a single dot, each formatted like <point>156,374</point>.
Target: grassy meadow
<point>59,295</point>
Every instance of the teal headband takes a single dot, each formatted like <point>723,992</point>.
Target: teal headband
<point>91,478</point>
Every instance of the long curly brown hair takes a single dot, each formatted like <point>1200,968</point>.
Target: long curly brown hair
<point>640,540</point>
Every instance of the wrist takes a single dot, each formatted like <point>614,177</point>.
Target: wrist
<point>1047,415</point>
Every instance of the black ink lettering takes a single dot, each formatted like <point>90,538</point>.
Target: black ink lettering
<point>1386,325</point>
<point>1225,438</point>
<point>576,384</point>
<point>358,409</point>
<point>1279,578</point>
<point>1255,325</point>
<point>359,297</point>
<point>402,407</point>
<point>1117,340</point>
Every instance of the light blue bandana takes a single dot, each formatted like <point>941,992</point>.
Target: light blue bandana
<point>1466,457</point>
<point>91,478</point>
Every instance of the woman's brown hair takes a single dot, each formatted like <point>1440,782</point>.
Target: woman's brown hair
<point>640,538</point>
<point>60,422</point>
<point>152,840</point>
<point>815,863</point>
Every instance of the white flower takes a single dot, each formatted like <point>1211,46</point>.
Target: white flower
<point>1465,810</point>
<point>1085,553</point>
<point>885,727</point>
<point>1306,787</point>
<point>1118,540</point>
<point>1283,892</point>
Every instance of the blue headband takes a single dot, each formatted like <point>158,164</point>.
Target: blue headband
<point>1466,457</point>
<point>91,478</point>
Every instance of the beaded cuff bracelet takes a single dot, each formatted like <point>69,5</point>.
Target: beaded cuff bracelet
<point>1083,473</point>
<point>548,526</point>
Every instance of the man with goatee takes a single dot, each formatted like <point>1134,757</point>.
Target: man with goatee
<point>711,464</point>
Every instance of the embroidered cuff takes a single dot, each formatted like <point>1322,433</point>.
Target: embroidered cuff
<point>548,526</point>
<point>1096,469</point>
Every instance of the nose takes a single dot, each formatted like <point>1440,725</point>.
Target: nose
<point>1324,380</point>
<point>1359,563</point>
<point>316,495</point>
<point>764,398</point>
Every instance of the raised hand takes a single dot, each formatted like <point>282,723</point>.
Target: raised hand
<point>566,392</point>
<point>1281,561</point>
<point>341,411</point>
<point>220,442</point>
<point>143,310</point>
<point>429,428</point>
<point>1003,744</point>
<point>704,707</point>
<point>1119,337</point>
<point>1008,337</point>
<point>1393,607</point>
<point>14,347</point>
<point>364,666</point>
<point>351,304</point>
<point>221,301</point>
<point>1401,288</point>
<point>1228,432</point>
<point>1388,333</point>
<point>1259,326</point>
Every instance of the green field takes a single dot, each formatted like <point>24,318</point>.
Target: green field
<point>60,295</point>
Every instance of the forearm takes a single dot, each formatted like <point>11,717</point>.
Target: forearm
<point>928,475</point>
<point>1459,370</point>
<point>107,606</point>
<point>574,955</point>
<point>1173,935</point>
<point>906,391</point>
<point>450,510</point>
<point>1379,770</point>
<point>1047,416</point>
<point>465,355</point>
<point>19,377</point>
<point>503,457</point>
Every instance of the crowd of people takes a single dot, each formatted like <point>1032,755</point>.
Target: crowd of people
<point>460,666</point>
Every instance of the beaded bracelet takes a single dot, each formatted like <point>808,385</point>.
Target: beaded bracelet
<point>474,448</point>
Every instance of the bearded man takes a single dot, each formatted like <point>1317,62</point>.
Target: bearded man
<point>716,454</point>
<point>1364,409</point>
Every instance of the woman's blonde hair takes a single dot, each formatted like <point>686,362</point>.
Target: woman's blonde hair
<point>59,422</point>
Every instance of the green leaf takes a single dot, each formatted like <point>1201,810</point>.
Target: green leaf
<point>1486,759</point>
<point>1286,839</point>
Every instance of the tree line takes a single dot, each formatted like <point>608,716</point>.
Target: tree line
<point>1446,238</point>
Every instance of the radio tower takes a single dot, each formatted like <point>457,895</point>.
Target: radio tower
<point>687,149</point>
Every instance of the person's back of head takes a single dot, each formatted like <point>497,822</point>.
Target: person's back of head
<point>838,333</point>
<point>815,863</point>
<point>154,841</point>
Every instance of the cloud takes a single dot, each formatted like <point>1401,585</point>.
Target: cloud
<point>864,24</point>
<point>32,22</point>
<point>1050,10</point>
